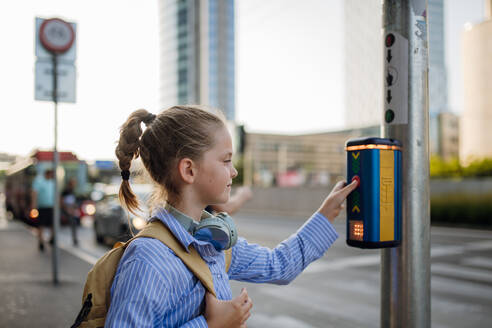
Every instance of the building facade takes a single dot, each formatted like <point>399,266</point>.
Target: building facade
<point>197,53</point>
<point>448,132</point>
<point>438,82</point>
<point>476,123</point>
<point>297,160</point>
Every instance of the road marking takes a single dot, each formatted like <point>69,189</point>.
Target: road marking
<point>456,232</point>
<point>368,287</point>
<point>343,263</point>
<point>456,250</point>
<point>461,288</point>
<point>375,259</point>
<point>479,245</point>
<point>79,253</point>
<point>456,309</point>
<point>281,321</point>
<point>479,261</point>
<point>452,270</point>
<point>448,285</point>
<point>336,309</point>
<point>3,223</point>
<point>27,277</point>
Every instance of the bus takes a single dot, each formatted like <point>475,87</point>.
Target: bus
<point>21,174</point>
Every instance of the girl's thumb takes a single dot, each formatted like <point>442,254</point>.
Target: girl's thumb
<point>244,293</point>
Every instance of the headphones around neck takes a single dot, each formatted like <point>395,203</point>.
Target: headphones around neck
<point>218,230</point>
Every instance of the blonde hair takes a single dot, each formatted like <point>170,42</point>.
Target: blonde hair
<point>176,133</point>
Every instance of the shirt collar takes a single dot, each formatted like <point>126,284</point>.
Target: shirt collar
<point>180,225</point>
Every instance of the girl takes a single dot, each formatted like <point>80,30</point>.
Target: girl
<point>187,151</point>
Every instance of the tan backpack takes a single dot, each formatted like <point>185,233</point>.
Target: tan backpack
<point>97,297</point>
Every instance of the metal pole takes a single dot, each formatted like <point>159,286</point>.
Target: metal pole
<point>56,212</point>
<point>405,270</point>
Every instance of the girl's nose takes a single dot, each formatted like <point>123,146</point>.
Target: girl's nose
<point>234,172</point>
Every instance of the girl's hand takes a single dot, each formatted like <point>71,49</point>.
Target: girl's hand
<point>228,314</point>
<point>245,193</point>
<point>333,204</point>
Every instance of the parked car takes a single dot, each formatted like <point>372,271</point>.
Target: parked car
<point>113,223</point>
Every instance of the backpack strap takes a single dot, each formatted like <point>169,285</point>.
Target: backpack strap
<point>228,259</point>
<point>157,230</point>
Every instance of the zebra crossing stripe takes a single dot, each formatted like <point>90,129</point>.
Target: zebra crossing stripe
<point>479,261</point>
<point>455,271</point>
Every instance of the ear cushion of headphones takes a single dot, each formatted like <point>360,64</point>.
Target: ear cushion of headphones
<point>230,223</point>
<point>221,222</point>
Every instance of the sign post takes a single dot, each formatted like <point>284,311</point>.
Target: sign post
<point>56,37</point>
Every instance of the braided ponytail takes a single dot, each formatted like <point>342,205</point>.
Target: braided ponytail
<point>128,149</point>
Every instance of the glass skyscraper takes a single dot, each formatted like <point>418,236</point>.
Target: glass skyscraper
<point>197,53</point>
<point>438,82</point>
<point>438,89</point>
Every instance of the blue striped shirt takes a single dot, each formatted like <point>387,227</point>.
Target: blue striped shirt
<point>153,288</point>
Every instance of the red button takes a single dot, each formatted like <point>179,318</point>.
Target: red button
<point>356,177</point>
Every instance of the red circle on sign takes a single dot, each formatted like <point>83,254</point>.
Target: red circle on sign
<point>56,35</point>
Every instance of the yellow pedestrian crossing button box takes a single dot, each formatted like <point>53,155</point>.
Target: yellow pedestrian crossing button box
<point>374,208</point>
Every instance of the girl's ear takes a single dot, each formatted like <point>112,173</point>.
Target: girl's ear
<point>187,170</point>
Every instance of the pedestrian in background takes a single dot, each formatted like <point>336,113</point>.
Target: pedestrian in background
<point>70,208</point>
<point>43,200</point>
<point>188,152</point>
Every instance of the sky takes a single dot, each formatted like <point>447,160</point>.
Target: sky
<point>289,66</point>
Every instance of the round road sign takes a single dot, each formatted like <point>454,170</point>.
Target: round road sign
<point>56,35</point>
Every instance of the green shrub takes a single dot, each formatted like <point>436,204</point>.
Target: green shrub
<point>453,169</point>
<point>445,169</point>
<point>479,168</point>
<point>462,209</point>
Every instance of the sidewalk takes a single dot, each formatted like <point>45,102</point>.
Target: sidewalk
<point>28,296</point>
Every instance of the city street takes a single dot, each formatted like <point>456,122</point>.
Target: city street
<point>265,109</point>
<point>342,289</point>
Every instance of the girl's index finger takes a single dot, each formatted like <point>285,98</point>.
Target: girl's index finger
<point>345,191</point>
<point>339,186</point>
